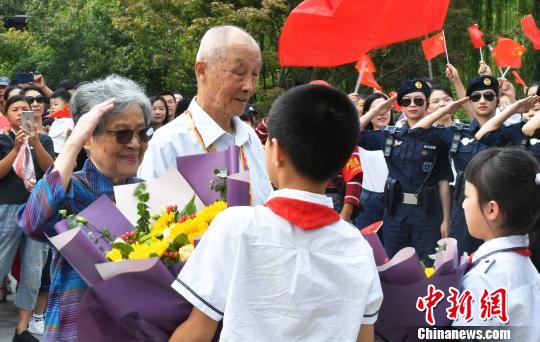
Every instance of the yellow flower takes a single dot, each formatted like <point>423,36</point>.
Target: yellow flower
<point>429,271</point>
<point>211,211</point>
<point>114,255</point>
<point>193,228</point>
<point>163,222</point>
<point>149,249</point>
<point>185,252</point>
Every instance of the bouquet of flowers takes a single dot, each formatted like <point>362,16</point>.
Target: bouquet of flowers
<point>130,254</point>
<point>405,280</point>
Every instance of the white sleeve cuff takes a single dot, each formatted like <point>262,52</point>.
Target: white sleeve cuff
<point>370,318</point>
<point>191,296</point>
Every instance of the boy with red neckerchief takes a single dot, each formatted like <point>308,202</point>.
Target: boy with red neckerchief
<point>291,269</point>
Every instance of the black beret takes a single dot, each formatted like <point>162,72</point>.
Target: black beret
<point>482,83</point>
<point>412,86</point>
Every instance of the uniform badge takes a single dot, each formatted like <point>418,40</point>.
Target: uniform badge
<point>466,141</point>
<point>418,85</point>
<point>534,141</point>
<point>397,143</point>
<point>487,81</point>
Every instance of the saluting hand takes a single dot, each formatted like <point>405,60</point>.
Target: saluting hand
<point>526,104</point>
<point>85,127</point>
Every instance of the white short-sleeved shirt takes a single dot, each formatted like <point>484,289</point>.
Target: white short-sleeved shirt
<point>272,281</point>
<point>177,139</point>
<point>516,274</point>
<point>58,132</point>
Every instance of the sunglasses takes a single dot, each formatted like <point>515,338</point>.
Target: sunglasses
<point>417,101</point>
<point>487,96</point>
<point>124,136</point>
<point>38,99</point>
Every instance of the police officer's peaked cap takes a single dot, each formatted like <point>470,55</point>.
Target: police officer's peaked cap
<point>412,86</point>
<point>483,83</point>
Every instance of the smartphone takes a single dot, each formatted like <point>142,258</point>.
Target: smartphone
<point>24,77</point>
<point>27,120</point>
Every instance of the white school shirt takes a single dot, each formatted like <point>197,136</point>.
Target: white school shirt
<point>516,274</point>
<point>272,281</point>
<point>58,132</point>
<point>375,170</point>
<point>177,139</point>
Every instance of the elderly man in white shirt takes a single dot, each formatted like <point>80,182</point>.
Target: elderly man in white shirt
<point>227,69</point>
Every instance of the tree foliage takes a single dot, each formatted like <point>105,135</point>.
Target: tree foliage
<point>155,42</point>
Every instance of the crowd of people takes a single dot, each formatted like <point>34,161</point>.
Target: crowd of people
<point>323,165</point>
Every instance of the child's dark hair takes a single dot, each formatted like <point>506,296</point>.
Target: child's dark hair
<point>317,126</point>
<point>61,93</point>
<point>508,176</point>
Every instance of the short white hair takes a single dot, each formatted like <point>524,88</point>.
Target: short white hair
<point>215,41</point>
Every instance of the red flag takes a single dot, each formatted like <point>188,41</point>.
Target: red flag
<point>396,106</point>
<point>531,30</point>
<point>369,80</point>
<point>507,53</point>
<point>369,66</point>
<point>518,79</point>
<point>477,37</point>
<point>62,113</point>
<point>329,33</point>
<point>433,46</point>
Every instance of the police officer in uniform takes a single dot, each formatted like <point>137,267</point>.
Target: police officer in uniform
<point>463,146</point>
<point>413,212</point>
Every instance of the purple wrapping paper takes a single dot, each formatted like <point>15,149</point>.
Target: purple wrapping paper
<point>198,170</point>
<point>81,253</point>
<point>403,269</point>
<point>101,213</point>
<point>378,250</point>
<point>238,189</point>
<point>134,306</point>
<point>142,303</point>
<point>403,281</point>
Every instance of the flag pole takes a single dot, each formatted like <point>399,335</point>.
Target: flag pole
<point>445,48</point>
<point>360,75</point>
<point>504,73</point>
<point>430,68</point>
<point>481,54</point>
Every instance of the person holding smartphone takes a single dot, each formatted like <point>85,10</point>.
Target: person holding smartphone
<point>15,192</point>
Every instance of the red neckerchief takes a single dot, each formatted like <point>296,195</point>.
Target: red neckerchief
<point>306,215</point>
<point>523,251</point>
<point>62,113</point>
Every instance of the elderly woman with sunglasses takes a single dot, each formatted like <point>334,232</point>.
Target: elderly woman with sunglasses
<point>111,117</point>
<point>463,144</point>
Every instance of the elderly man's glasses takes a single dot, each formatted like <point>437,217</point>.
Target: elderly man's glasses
<point>417,101</point>
<point>124,136</point>
<point>487,96</point>
<point>38,99</point>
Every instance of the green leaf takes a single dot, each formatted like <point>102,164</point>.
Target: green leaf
<point>141,207</point>
<point>123,247</point>
<point>144,197</point>
<point>180,240</point>
<point>190,208</point>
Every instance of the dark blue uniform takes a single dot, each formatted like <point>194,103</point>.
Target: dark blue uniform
<point>513,135</point>
<point>459,140</point>
<point>413,211</point>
